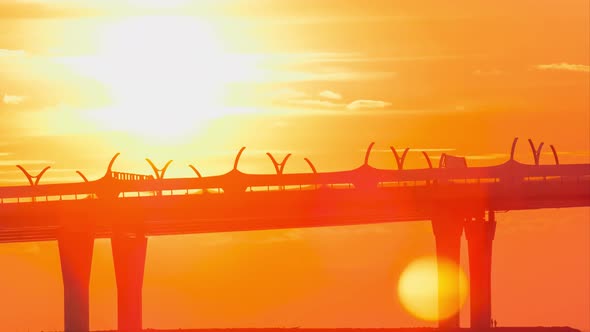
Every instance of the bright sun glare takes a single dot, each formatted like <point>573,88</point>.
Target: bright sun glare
<point>418,288</point>
<point>166,75</point>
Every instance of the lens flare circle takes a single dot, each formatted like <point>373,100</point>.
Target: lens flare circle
<point>418,288</point>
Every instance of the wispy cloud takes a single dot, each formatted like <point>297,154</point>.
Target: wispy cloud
<point>53,171</point>
<point>419,150</point>
<point>489,156</point>
<point>328,94</point>
<point>24,162</point>
<point>324,75</point>
<point>565,66</point>
<point>344,57</point>
<point>569,153</point>
<point>11,53</point>
<point>316,103</point>
<point>367,104</point>
<point>12,100</point>
<point>315,66</point>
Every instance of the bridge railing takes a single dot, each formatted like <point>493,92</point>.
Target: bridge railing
<point>122,176</point>
<point>349,186</point>
<point>136,185</point>
<point>49,198</point>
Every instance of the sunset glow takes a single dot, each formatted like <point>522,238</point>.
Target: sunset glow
<point>215,87</point>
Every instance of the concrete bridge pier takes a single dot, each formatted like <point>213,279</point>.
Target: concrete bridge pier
<point>448,230</point>
<point>480,235</point>
<point>75,253</point>
<point>129,252</point>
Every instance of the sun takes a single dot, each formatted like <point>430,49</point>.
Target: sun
<point>166,75</point>
<point>418,288</point>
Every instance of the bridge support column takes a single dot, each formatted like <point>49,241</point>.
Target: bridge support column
<point>480,235</point>
<point>447,232</point>
<point>129,259</point>
<point>75,253</point>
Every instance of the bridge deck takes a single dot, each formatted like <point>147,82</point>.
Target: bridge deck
<point>201,213</point>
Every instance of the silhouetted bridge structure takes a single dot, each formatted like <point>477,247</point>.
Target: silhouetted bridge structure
<point>129,207</point>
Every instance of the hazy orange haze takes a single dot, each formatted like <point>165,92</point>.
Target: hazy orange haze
<point>194,81</point>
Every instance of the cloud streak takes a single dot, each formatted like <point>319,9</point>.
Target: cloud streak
<point>11,53</point>
<point>328,94</point>
<point>564,66</point>
<point>367,104</point>
<point>12,100</point>
<point>316,103</point>
<point>14,162</point>
<point>324,75</point>
<point>418,150</point>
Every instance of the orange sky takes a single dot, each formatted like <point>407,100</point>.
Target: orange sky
<point>194,81</point>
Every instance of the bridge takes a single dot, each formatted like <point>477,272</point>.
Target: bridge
<point>127,208</point>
